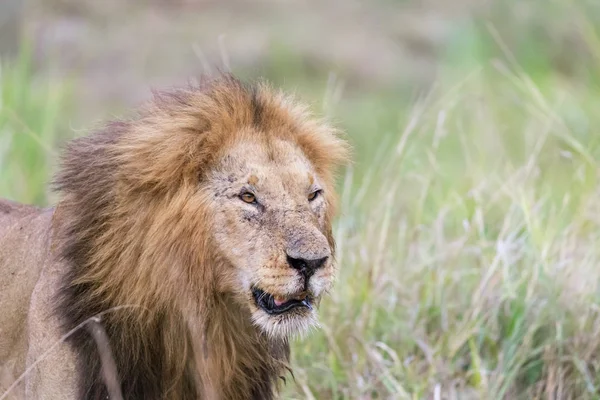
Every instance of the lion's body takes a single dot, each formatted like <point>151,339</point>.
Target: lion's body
<point>17,230</point>
<point>27,324</point>
<point>152,246</point>
<point>16,286</point>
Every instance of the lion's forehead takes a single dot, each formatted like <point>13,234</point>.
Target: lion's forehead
<point>278,167</point>
<point>265,152</point>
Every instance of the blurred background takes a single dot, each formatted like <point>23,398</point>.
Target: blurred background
<point>469,234</point>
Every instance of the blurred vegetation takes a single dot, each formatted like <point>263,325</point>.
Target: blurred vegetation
<point>30,124</point>
<point>469,236</point>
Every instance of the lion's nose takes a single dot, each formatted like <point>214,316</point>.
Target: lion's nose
<point>306,267</point>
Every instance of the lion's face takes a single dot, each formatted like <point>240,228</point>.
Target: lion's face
<point>270,225</point>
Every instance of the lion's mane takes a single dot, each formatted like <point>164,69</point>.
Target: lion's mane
<point>145,265</point>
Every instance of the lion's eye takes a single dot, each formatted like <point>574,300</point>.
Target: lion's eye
<point>248,197</point>
<point>314,195</point>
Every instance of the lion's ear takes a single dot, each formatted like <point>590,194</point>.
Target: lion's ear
<point>160,155</point>
<point>169,144</point>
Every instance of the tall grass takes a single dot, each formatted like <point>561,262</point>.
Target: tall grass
<point>31,109</point>
<point>469,251</point>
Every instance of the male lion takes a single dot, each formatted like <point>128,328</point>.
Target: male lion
<point>196,236</point>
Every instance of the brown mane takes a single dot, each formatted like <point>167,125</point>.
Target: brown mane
<point>149,271</point>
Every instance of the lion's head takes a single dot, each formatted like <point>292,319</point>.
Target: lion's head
<point>217,191</point>
<point>271,215</point>
<point>270,207</point>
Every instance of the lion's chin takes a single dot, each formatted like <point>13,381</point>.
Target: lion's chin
<point>290,324</point>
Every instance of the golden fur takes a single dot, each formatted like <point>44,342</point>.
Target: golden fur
<point>152,234</point>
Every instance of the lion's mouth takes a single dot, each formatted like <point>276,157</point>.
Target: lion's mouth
<point>278,305</point>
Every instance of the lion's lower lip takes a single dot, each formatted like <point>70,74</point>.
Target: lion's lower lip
<point>266,302</point>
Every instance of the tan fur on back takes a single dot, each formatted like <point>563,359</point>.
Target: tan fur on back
<point>152,234</point>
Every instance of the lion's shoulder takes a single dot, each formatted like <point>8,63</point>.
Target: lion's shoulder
<point>11,212</point>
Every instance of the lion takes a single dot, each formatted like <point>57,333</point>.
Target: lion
<point>195,238</point>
